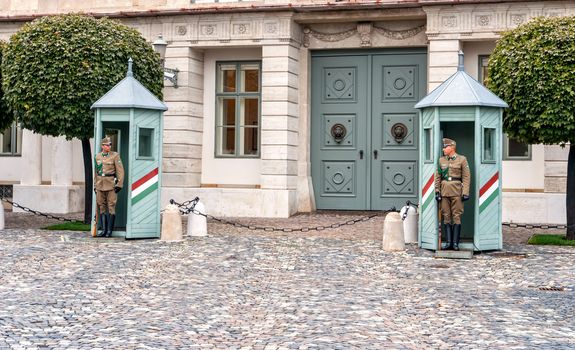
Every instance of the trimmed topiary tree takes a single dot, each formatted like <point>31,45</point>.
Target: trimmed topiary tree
<point>56,67</point>
<point>533,69</point>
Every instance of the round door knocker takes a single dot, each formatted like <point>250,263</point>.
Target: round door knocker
<point>338,132</point>
<point>399,132</point>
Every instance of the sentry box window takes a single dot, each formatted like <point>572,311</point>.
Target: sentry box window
<point>145,143</point>
<point>428,145</point>
<point>489,145</point>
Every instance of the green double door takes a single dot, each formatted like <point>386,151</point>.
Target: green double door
<point>365,131</point>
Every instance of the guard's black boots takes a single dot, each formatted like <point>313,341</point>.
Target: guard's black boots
<point>449,236</point>
<point>102,223</point>
<point>456,236</point>
<point>111,219</point>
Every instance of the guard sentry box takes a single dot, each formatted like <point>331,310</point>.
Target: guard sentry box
<point>463,110</point>
<point>131,116</point>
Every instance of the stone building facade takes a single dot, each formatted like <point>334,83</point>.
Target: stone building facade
<point>283,45</point>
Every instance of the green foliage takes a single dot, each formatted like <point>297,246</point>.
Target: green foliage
<point>546,239</point>
<point>6,117</point>
<point>532,68</point>
<point>56,67</point>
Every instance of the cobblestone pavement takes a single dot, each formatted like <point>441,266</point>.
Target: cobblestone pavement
<point>239,289</point>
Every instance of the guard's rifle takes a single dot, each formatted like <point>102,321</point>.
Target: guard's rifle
<point>438,225</point>
<point>96,218</point>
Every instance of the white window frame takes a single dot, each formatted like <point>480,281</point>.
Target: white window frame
<point>238,95</point>
<point>15,147</point>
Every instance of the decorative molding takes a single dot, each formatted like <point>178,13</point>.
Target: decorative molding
<point>488,20</point>
<point>241,29</point>
<point>517,19</point>
<point>449,21</point>
<point>327,37</point>
<point>181,30</point>
<point>271,27</point>
<point>399,34</point>
<point>364,30</point>
<point>483,20</point>
<point>209,30</point>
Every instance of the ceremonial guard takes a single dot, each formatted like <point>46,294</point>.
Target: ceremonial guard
<point>452,180</point>
<point>108,180</point>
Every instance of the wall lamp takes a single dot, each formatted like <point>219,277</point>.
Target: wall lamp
<point>169,74</point>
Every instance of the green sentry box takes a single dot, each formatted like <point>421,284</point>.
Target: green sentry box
<point>463,110</point>
<point>131,116</point>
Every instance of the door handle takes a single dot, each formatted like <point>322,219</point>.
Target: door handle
<point>361,154</point>
<point>375,154</point>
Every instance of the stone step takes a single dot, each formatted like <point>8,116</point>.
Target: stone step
<point>454,254</point>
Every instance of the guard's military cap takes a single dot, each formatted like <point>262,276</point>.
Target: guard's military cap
<point>448,142</point>
<point>106,141</point>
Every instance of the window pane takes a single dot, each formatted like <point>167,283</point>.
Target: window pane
<point>250,78</point>
<point>428,152</point>
<point>250,142</point>
<point>483,70</point>
<point>227,111</point>
<point>7,140</point>
<point>227,81</point>
<point>250,111</point>
<point>517,149</point>
<point>227,137</point>
<point>488,144</point>
<point>145,141</point>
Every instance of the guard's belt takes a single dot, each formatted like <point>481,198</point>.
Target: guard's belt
<point>449,178</point>
<point>108,175</point>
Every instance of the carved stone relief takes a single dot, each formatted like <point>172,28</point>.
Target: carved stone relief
<point>483,20</point>
<point>518,19</point>
<point>241,29</point>
<point>449,21</point>
<point>365,32</point>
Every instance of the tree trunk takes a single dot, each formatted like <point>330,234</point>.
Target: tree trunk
<point>88,180</point>
<point>571,193</point>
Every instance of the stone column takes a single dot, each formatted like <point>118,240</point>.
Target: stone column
<point>61,162</point>
<point>183,121</point>
<point>443,60</point>
<point>279,133</point>
<point>306,200</point>
<point>31,158</point>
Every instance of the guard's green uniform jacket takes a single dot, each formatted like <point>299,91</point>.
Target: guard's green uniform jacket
<point>108,169</point>
<point>452,180</point>
<point>109,173</point>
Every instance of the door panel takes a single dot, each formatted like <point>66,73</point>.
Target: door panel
<point>364,143</point>
<point>398,83</point>
<point>338,118</point>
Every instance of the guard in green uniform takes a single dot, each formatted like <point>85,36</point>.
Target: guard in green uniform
<point>108,180</point>
<point>452,180</point>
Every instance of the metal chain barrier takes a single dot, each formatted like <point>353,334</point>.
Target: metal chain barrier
<point>530,226</point>
<point>509,224</point>
<point>189,207</point>
<point>36,212</point>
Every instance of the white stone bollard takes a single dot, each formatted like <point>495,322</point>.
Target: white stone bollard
<point>393,239</point>
<point>410,218</point>
<point>1,215</point>
<point>198,224</point>
<point>171,224</point>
